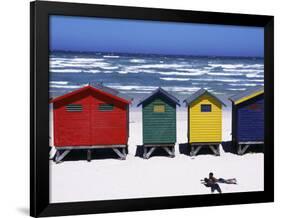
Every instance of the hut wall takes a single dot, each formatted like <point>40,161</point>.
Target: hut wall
<point>205,126</point>
<point>72,128</point>
<point>91,126</point>
<point>109,127</point>
<point>159,127</point>
<point>250,120</point>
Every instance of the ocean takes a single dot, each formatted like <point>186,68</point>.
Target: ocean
<point>139,74</point>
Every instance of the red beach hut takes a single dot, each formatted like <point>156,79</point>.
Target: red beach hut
<point>94,116</point>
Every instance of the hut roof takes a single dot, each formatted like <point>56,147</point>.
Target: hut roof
<point>113,93</point>
<point>246,95</point>
<point>199,93</point>
<point>161,92</point>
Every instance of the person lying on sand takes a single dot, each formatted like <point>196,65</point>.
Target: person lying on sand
<point>212,182</point>
<point>213,185</point>
<point>221,180</point>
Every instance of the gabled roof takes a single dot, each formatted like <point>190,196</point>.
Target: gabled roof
<point>199,93</point>
<point>161,92</point>
<point>113,93</point>
<point>247,94</point>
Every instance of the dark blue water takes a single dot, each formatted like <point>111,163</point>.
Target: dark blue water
<point>138,75</point>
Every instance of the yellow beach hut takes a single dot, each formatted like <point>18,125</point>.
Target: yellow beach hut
<point>204,121</point>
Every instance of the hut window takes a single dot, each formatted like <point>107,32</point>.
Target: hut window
<point>160,108</point>
<point>106,107</point>
<point>74,108</point>
<point>206,108</point>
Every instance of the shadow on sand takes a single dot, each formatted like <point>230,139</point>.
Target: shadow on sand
<point>139,151</point>
<point>256,149</point>
<point>96,154</point>
<point>185,149</point>
<point>158,152</point>
<point>229,147</point>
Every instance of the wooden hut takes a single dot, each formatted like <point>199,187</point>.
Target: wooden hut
<point>204,121</point>
<point>89,118</point>
<point>248,118</point>
<point>159,122</point>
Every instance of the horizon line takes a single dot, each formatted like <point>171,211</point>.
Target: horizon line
<point>133,53</point>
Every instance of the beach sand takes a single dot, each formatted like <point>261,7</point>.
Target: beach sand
<point>135,177</point>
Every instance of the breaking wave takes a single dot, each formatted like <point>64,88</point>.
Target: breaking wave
<point>141,74</point>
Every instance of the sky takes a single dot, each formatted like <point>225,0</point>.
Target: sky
<point>86,34</point>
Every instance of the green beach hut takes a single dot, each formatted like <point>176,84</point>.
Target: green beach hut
<point>159,122</point>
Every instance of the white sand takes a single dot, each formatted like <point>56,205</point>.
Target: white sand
<point>135,177</point>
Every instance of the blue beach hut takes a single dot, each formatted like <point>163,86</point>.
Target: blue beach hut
<point>248,118</point>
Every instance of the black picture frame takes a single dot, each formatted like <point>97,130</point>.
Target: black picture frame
<point>39,108</point>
